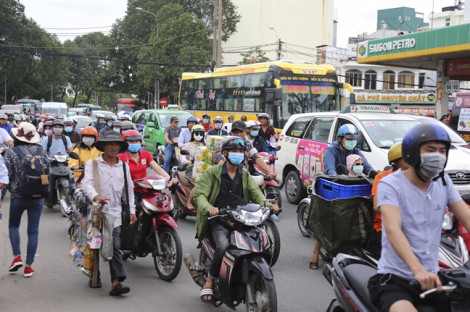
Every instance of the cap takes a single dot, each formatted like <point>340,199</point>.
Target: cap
<point>3,116</point>
<point>239,125</point>
<point>173,119</point>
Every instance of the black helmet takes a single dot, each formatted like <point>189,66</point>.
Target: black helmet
<point>58,122</point>
<point>239,125</point>
<point>206,115</point>
<point>233,142</point>
<point>419,134</point>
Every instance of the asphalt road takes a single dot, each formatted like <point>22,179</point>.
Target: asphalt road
<point>58,285</point>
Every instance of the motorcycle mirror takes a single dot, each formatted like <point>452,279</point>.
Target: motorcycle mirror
<point>184,152</point>
<point>146,136</point>
<point>372,174</point>
<point>388,167</point>
<point>278,148</point>
<point>74,155</point>
<point>341,169</point>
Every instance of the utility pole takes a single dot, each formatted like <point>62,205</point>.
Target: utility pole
<point>279,49</point>
<point>155,92</point>
<point>214,33</point>
<point>219,35</point>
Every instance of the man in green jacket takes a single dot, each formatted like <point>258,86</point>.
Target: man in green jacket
<point>223,186</point>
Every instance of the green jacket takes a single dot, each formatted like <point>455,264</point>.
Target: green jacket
<point>207,189</point>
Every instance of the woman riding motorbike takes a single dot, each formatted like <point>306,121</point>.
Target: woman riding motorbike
<point>85,149</point>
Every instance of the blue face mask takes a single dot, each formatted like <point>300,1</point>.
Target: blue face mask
<point>134,148</point>
<point>37,118</point>
<point>254,133</point>
<point>68,129</point>
<point>110,124</point>
<point>236,158</point>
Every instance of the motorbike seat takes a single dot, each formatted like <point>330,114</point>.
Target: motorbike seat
<point>358,276</point>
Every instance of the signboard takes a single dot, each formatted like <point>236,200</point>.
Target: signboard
<point>163,102</point>
<point>395,96</point>
<point>464,120</point>
<point>452,86</point>
<point>458,67</point>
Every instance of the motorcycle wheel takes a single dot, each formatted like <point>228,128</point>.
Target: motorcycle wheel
<point>273,233</point>
<point>63,193</point>
<point>263,292</point>
<point>273,190</point>
<point>302,217</point>
<point>168,264</point>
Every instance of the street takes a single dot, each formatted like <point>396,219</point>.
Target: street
<point>58,285</point>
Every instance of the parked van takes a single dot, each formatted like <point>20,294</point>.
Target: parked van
<point>460,115</point>
<point>56,108</point>
<point>305,138</point>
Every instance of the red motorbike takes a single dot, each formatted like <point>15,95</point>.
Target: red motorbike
<point>462,231</point>
<point>155,231</point>
<point>269,187</point>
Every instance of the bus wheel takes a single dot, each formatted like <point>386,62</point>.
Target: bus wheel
<point>294,189</point>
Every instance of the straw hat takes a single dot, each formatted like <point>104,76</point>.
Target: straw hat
<point>26,132</point>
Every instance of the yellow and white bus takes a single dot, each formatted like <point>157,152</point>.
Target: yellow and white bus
<point>279,88</point>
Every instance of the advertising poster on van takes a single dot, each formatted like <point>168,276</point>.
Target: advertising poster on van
<point>464,120</point>
<point>309,159</point>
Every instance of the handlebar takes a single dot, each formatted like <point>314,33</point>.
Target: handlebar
<point>445,288</point>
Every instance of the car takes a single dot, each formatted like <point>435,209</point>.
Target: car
<point>152,123</point>
<point>305,138</point>
<point>82,122</point>
<point>105,113</point>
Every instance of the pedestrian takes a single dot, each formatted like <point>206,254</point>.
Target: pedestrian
<point>112,183</point>
<point>25,139</point>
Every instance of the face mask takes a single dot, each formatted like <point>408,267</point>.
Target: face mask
<point>218,125</point>
<point>68,129</point>
<point>48,132</point>
<point>43,119</point>
<point>236,158</point>
<point>110,124</point>
<point>134,148</point>
<point>198,137</point>
<point>37,118</point>
<point>57,131</point>
<point>254,133</point>
<point>205,120</point>
<point>358,169</point>
<point>88,141</point>
<point>117,129</point>
<point>101,122</point>
<point>350,145</point>
<point>432,164</point>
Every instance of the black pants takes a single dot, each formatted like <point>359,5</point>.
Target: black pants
<point>116,268</point>
<point>220,235</point>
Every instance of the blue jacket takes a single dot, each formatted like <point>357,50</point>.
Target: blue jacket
<point>260,144</point>
<point>335,156</point>
<point>7,127</point>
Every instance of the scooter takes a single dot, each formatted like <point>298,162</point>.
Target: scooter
<point>349,276</point>
<point>245,275</point>
<point>159,155</point>
<point>267,185</point>
<point>59,184</point>
<point>156,229</point>
<point>462,231</point>
<point>182,187</point>
<point>452,249</point>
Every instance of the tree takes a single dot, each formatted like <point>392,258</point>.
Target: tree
<point>254,55</point>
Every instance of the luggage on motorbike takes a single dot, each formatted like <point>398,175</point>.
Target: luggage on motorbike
<point>340,224</point>
<point>34,174</point>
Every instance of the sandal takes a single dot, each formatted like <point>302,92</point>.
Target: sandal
<point>205,293</point>
<point>313,265</point>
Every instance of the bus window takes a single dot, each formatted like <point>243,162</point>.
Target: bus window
<point>218,101</point>
<point>219,83</point>
<point>234,82</point>
<point>228,103</point>
<point>254,81</point>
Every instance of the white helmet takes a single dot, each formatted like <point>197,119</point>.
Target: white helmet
<point>251,123</point>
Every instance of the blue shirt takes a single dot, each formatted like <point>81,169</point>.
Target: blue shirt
<point>57,145</point>
<point>7,127</point>
<point>335,156</point>
<point>185,137</point>
<point>421,217</point>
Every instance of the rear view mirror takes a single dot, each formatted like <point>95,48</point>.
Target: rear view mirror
<point>150,124</point>
<point>74,155</point>
<point>146,136</point>
<point>184,152</point>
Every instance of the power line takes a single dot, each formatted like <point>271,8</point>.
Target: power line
<point>74,28</point>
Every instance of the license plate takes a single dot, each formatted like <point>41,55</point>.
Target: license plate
<point>464,192</point>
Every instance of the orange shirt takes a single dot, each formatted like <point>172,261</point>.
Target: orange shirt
<point>378,216</point>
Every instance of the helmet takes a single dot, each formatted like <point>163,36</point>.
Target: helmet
<point>51,118</point>
<point>48,123</point>
<point>132,135</point>
<point>251,123</point>
<point>61,116</point>
<point>233,143</point>
<point>17,118</point>
<point>206,115</point>
<point>197,128</point>
<point>37,115</point>
<point>68,120</point>
<point>419,134</point>
<point>43,116</point>
<point>58,122</point>
<point>231,117</point>
<point>191,119</point>
<point>348,131</point>
<point>89,130</point>
<point>125,117</point>
<point>116,123</point>
<point>126,125</point>
<point>218,119</point>
<point>263,115</point>
<point>239,125</point>
<point>109,117</point>
<point>243,118</point>
<point>394,152</point>
<point>99,115</point>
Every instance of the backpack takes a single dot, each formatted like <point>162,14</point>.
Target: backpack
<point>49,142</point>
<point>34,174</point>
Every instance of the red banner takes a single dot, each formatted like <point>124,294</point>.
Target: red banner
<point>458,67</point>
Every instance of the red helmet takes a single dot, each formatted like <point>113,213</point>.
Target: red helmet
<point>89,130</point>
<point>132,135</point>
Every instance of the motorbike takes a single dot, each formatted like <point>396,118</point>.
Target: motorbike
<point>267,185</point>
<point>462,231</point>
<point>59,184</point>
<point>181,188</point>
<point>159,155</point>
<point>452,249</point>
<point>245,275</point>
<point>155,230</point>
<point>349,276</point>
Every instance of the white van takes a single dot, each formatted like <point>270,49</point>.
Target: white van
<point>305,138</point>
<point>56,108</point>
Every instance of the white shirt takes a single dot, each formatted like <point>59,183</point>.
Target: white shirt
<point>4,138</point>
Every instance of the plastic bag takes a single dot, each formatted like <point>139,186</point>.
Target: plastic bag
<point>106,249</point>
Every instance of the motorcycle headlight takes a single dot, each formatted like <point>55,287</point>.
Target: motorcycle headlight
<point>253,218</point>
<point>60,157</point>
<point>158,185</point>
<point>447,222</point>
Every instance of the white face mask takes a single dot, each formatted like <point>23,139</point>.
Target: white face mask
<point>88,141</point>
<point>57,131</point>
<point>198,137</point>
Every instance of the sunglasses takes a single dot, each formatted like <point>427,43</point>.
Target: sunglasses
<point>359,164</point>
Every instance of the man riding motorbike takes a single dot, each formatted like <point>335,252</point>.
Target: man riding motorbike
<point>185,134</point>
<point>223,186</point>
<point>266,131</point>
<point>252,129</point>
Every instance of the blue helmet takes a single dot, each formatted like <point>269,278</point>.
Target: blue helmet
<point>191,119</point>
<point>349,131</point>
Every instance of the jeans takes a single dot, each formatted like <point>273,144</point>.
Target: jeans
<point>169,151</point>
<point>34,209</point>
<point>220,236</point>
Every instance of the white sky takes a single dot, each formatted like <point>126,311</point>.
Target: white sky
<point>354,16</point>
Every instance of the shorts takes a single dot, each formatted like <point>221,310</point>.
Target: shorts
<point>386,289</point>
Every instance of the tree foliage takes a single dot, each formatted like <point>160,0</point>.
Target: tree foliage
<point>254,55</point>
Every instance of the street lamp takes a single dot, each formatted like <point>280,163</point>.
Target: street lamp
<point>278,50</point>
<point>153,14</point>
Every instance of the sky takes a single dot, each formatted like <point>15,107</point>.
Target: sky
<point>354,16</point>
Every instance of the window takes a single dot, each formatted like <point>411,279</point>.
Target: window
<point>298,127</point>
<point>354,78</point>
<point>406,79</point>
<point>447,21</point>
<point>319,130</point>
<point>422,77</point>
<point>370,82</point>
<point>389,80</point>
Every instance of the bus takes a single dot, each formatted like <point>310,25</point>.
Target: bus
<point>88,108</point>
<point>279,88</point>
<point>128,105</point>
<point>29,106</point>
